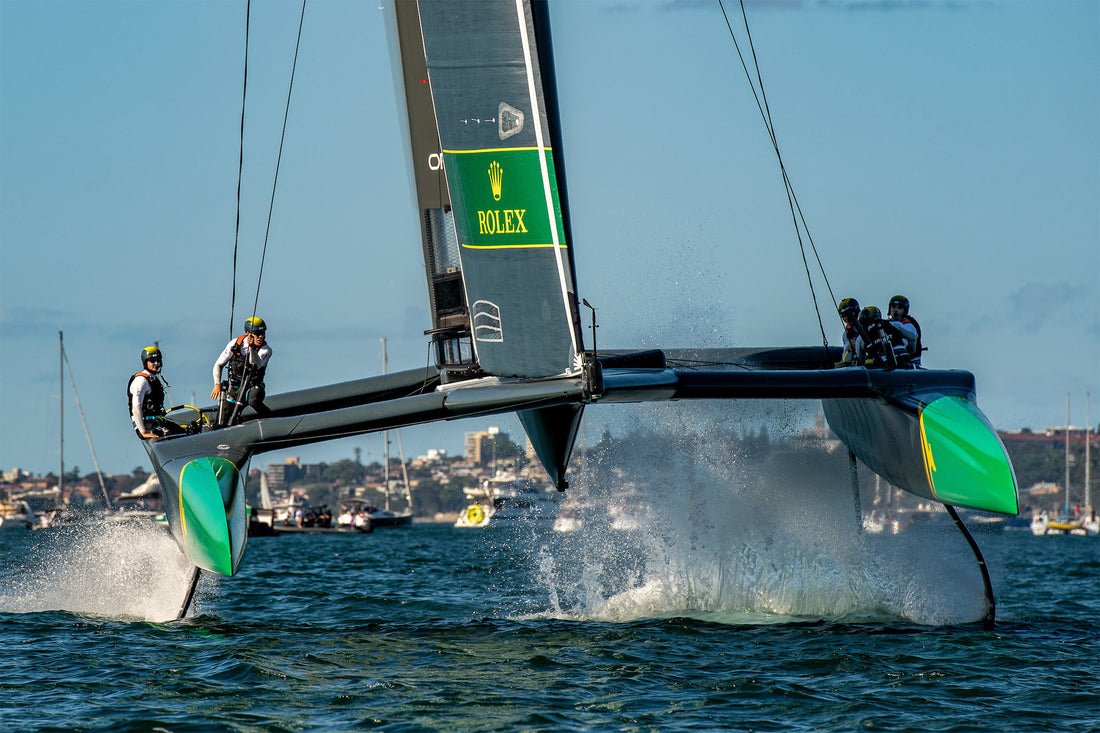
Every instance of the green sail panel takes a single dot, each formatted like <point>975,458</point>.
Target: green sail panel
<point>505,201</point>
<point>486,85</point>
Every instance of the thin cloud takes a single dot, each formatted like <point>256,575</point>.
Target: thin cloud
<point>21,322</point>
<point>857,5</point>
<point>883,5</point>
<point>30,325</point>
<point>1092,327</point>
<point>1037,304</point>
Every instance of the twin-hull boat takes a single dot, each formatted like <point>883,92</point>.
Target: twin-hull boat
<point>487,156</point>
<point>1042,524</point>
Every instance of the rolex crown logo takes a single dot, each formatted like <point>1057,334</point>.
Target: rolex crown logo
<point>495,174</point>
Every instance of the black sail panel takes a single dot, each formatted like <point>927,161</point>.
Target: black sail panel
<point>490,110</point>
<point>425,160</point>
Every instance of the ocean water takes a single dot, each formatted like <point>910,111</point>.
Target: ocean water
<point>720,624</point>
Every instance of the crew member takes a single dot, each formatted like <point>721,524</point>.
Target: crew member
<point>904,331</point>
<point>878,350</point>
<point>145,398</point>
<point>247,358</point>
<point>853,342</point>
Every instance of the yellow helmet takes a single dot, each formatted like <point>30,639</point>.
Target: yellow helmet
<point>150,353</point>
<point>255,325</point>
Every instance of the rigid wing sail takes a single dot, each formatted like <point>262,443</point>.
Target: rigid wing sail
<point>485,148</point>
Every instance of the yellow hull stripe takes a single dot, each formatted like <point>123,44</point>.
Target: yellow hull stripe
<point>183,517</point>
<point>929,460</point>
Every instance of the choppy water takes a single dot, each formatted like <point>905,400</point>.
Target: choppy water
<point>521,628</point>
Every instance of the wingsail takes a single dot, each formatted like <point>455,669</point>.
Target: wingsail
<point>487,159</point>
<point>450,331</point>
<point>489,103</point>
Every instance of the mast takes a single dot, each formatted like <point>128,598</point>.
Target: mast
<point>1088,430</point>
<point>61,422</point>
<point>404,471</point>
<point>400,447</point>
<point>386,436</point>
<point>452,340</point>
<point>1067,455</point>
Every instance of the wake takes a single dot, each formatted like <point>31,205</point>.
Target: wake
<point>126,570</point>
<point>733,538</point>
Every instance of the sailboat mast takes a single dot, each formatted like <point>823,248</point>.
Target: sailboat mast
<point>1067,454</point>
<point>1088,431</point>
<point>404,470</point>
<point>61,422</point>
<point>386,435</point>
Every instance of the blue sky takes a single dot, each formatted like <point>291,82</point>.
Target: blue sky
<point>946,150</point>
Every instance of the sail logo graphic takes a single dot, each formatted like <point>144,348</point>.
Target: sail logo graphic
<point>486,320</point>
<point>499,221</point>
<point>511,121</point>
<point>495,175</point>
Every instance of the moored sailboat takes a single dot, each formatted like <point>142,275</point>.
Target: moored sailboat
<point>1072,521</point>
<point>387,516</point>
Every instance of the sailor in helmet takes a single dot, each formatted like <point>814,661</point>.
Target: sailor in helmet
<point>853,342</point>
<point>878,351</point>
<point>247,357</point>
<point>145,398</point>
<point>903,330</point>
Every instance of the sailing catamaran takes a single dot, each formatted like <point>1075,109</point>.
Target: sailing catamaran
<point>487,155</point>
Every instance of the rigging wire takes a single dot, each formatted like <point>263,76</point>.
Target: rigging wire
<point>278,161</point>
<point>240,166</point>
<point>87,434</point>
<point>792,198</point>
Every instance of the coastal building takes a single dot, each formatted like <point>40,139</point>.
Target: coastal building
<point>279,475</point>
<point>14,475</point>
<point>479,445</point>
<point>434,457</point>
<point>1053,437</point>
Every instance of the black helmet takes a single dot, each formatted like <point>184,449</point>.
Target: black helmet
<point>869,317</point>
<point>900,300</point>
<point>849,308</point>
<point>150,353</point>
<point>255,325</point>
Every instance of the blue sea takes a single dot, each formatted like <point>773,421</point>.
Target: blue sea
<point>701,624</point>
